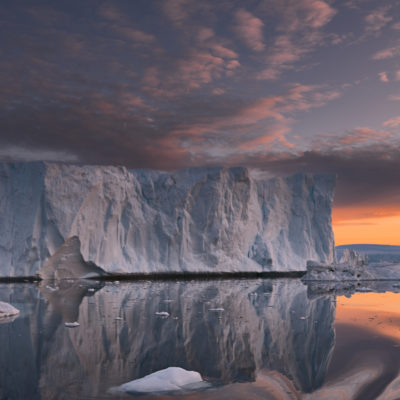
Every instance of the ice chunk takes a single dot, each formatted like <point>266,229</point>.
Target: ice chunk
<point>172,379</point>
<point>162,313</point>
<point>353,258</point>
<point>71,324</point>
<point>7,311</point>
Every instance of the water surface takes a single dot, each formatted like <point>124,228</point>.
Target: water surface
<point>253,339</point>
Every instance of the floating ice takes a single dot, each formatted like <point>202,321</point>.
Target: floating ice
<point>71,324</point>
<point>172,379</point>
<point>162,313</point>
<point>7,310</point>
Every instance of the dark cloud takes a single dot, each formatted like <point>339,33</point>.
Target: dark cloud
<point>365,177</point>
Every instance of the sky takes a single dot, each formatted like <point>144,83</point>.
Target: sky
<point>280,86</point>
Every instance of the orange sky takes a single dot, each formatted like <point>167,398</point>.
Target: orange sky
<point>366,226</point>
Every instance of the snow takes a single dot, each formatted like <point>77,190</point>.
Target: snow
<point>7,310</point>
<point>140,221</point>
<point>172,379</point>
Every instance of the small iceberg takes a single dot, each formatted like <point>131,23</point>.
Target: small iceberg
<point>162,314</point>
<point>71,324</point>
<point>7,312</point>
<point>169,380</point>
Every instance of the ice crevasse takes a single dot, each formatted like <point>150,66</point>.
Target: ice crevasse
<point>143,221</point>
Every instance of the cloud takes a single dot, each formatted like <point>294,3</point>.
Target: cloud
<point>176,10</point>
<point>392,122</point>
<point>396,26</point>
<point>250,29</point>
<point>48,15</point>
<point>269,74</point>
<point>383,77</point>
<point>387,53</point>
<point>377,19</point>
<point>299,32</point>
<point>21,153</point>
<point>109,10</point>
<point>137,36</point>
<point>394,97</point>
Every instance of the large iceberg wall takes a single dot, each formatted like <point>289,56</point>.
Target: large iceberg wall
<point>195,220</point>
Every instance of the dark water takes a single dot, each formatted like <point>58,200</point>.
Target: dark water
<point>250,339</point>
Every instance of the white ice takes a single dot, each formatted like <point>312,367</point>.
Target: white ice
<point>172,379</point>
<point>7,310</point>
<point>194,220</point>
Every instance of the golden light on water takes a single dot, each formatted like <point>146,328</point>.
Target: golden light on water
<point>378,312</point>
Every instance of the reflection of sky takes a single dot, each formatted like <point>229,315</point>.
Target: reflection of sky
<point>307,85</point>
<point>378,312</point>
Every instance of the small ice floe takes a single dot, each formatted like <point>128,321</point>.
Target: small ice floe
<point>162,314</point>
<point>216,309</point>
<point>170,380</point>
<point>52,289</point>
<point>303,317</point>
<point>7,312</point>
<point>71,324</point>
<point>91,289</point>
<point>118,318</point>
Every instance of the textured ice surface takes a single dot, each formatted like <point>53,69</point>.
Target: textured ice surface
<point>354,258</point>
<point>196,220</point>
<point>172,379</point>
<point>67,262</point>
<point>347,272</point>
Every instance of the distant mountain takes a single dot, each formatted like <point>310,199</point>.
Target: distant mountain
<point>375,252</point>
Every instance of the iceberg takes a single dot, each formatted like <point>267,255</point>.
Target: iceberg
<point>169,380</point>
<point>140,221</point>
<point>7,311</point>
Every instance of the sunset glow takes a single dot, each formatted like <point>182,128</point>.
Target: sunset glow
<point>378,312</point>
<point>374,230</point>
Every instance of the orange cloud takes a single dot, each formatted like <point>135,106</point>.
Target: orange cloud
<point>250,30</point>
<point>392,122</point>
<point>387,53</point>
<point>377,19</point>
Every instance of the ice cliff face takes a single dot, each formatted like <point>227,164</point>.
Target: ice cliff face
<point>196,220</point>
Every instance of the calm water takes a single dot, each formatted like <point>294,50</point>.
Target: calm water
<point>250,339</point>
